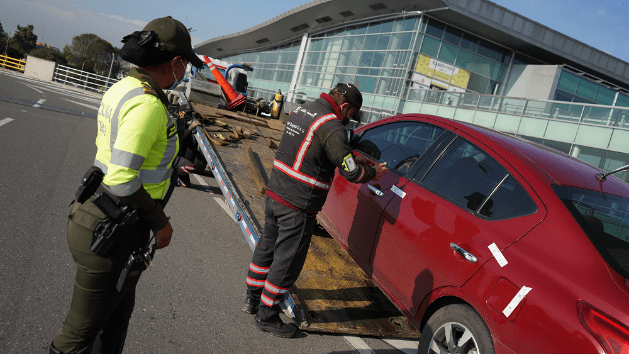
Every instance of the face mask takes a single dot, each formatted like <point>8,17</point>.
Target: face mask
<point>177,82</point>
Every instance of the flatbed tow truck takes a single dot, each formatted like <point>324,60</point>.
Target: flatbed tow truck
<point>332,294</point>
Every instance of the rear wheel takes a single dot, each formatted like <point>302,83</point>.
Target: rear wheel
<point>455,329</point>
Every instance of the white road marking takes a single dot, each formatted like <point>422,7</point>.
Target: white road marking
<point>5,121</point>
<point>199,179</point>
<point>39,103</point>
<point>35,89</point>
<point>359,344</point>
<point>404,345</point>
<point>223,205</point>
<point>81,104</point>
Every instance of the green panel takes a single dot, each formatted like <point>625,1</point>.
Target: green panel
<point>568,82</point>
<point>533,126</point>
<point>620,140</point>
<point>465,59</point>
<point>587,89</point>
<point>622,100</point>
<point>390,103</point>
<point>485,119</point>
<point>448,53</point>
<point>561,131</point>
<point>412,107</point>
<point>446,112</point>
<point>429,109</point>
<point>507,123</point>
<point>605,96</point>
<point>400,41</point>
<point>464,115</point>
<point>593,136</point>
<point>430,47</point>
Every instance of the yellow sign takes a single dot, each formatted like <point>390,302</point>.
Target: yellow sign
<point>441,71</point>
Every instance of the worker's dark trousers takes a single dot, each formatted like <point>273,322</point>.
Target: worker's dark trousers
<point>279,256</point>
<point>96,304</point>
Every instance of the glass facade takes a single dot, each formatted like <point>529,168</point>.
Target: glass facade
<point>416,64</point>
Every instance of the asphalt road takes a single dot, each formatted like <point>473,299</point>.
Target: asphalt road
<point>189,302</point>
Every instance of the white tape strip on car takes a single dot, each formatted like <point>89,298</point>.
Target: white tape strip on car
<point>498,255</point>
<point>398,191</point>
<point>516,301</point>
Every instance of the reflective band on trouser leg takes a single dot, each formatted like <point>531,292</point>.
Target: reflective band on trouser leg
<point>256,276</point>
<point>272,295</point>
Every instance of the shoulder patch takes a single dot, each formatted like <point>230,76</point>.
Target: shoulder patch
<point>148,89</point>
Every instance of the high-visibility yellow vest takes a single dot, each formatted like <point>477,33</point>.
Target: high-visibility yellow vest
<point>136,141</point>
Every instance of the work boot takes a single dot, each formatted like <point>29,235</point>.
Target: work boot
<point>86,350</point>
<point>250,306</point>
<point>275,326</point>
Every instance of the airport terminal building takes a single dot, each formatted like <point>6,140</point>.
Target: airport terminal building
<point>467,60</point>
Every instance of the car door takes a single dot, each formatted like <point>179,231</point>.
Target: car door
<point>352,211</point>
<point>455,207</point>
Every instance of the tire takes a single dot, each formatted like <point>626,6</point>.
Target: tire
<point>446,327</point>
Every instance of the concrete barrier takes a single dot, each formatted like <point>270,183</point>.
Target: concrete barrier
<point>40,69</point>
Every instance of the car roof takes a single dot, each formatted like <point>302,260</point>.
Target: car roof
<point>560,167</point>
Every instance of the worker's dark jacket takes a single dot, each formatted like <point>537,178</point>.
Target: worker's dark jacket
<point>313,145</point>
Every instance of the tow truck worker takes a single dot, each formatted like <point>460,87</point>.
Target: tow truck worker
<point>136,144</point>
<point>314,144</point>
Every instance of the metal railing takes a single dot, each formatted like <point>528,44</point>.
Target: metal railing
<point>82,79</point>
<point>11,63</point>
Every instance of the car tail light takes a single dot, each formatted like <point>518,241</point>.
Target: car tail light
<point>612,335</point>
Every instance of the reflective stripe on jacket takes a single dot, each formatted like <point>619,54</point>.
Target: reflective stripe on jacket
<point>314,144</point>
<point>136,141</point>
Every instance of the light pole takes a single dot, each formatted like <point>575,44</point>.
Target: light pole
<point>113,57</point>
<point>82,66</point>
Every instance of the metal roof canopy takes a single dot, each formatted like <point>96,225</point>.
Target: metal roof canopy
<point>480,17</point>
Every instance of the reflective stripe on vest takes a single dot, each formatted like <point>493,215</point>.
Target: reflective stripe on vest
<point>300,176</point>
<point>308,140</point>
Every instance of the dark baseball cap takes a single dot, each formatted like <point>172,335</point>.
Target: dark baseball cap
<point>173,36</point>
<point>352,95</point>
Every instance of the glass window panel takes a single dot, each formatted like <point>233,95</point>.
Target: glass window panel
<point>366,84</point>
<point>593,136</point>
<point>378,59</point>
<point>430,47</point>
<point>605,96</point>
<point>435,28</point>
<point>349,58</point>
<point>587,89</point>
<point>346,70</point>
<point>509,201</point>
<point>312,58</point>
<point>371,42</point>
<point>490,50</point>
<point>590,155</point>
<point>483,66</point>
<point>315,44</point>
<point>361,29</point>
<point>453,35</point>
<point>465,174</point>
<point>465,60</point>
<point>383,42</point>
<point>614,160</point>
<point>374,28</point>
<point>353,43</point>
<point>470,42</point>
<point>499,72</point>
<point>363,71</point>
<point>365,59</point>
<point>334,44</point>
<point>387,26</point>
<point>405,24</point>
<point>383,84</point>
<point>568,82</point>
<point>400,41</point>
<point>563,96</point>
<point>478,84</point>
<point>390,59</point>
<point>448,53</point>
<point>418,42</point>
<point>622,100</point>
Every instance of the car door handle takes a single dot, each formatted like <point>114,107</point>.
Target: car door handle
<point>465,254</point>
<point>375,190</point>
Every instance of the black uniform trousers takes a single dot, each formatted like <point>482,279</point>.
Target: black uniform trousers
<point>96,304</point>
<point>279,256</point>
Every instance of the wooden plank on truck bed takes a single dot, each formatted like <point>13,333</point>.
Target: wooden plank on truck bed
<point>332,294</point>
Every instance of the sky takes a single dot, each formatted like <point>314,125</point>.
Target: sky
<point>602,24</point>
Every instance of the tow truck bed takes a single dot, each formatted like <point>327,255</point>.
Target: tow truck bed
<point>332,294</point>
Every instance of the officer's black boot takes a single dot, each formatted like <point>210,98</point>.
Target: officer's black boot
<point>106,344</point>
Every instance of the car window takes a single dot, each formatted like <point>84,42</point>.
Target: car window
<point>605,220</point>
<point>398,144</point>
<point>472,179</point>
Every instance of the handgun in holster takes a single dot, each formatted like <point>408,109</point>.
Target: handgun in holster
<point>117,222</point>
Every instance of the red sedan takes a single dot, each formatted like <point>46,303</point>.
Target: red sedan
<point>487,242</point>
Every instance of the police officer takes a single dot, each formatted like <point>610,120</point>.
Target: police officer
<point>314,144</point>
<point>136,144</point>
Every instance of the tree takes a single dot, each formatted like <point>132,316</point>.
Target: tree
<point>49,54</point>
<point>3,39</point>
<point>22,42</point>
<point>92,53</point>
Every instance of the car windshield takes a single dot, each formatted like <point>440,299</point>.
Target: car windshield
<point>605,219</point>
